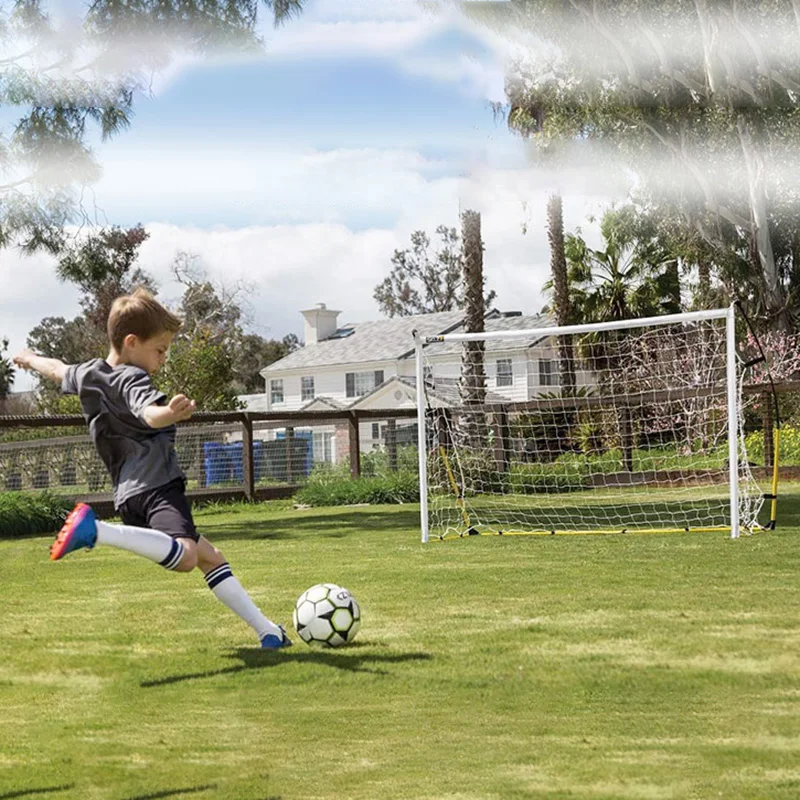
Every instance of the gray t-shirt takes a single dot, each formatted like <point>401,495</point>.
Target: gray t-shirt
<point>113,400</point>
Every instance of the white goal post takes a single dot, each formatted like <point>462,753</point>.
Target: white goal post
<point>631,426</point>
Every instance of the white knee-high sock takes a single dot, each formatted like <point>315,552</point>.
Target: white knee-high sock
<point>156,546</point>
<point>230,592</point>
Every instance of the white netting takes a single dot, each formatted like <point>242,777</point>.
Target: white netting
<point>621,430</point>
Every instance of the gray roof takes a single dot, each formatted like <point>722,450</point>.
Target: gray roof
<point>493,324</point>
<point>330,402</point>
<point>447,390</point>
<point>444,389</point>
<point>381,340</point>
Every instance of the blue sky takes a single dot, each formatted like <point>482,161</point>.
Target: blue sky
<point>301,170</point>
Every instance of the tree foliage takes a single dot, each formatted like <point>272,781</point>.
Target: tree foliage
<point>699,99</point>
<point>6,370</point>
<point>103,266</point>
<point>65,80</point>
<point>254,353</point>
<point>425,282</point>
<point>633,275</point>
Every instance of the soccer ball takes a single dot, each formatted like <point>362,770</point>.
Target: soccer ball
<point>327,614</point>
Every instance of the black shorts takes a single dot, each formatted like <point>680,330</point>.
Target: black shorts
<point>164,509</point>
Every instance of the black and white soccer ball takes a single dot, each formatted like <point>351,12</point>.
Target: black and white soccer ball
<point>327,614</point>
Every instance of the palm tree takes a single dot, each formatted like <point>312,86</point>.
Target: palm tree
<point>629,278</point>
<point>560,284</point>
<point>473,430</point>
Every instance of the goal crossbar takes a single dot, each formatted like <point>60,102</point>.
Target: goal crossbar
<point>595,327</point>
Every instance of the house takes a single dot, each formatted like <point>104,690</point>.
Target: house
<point>371,365</point>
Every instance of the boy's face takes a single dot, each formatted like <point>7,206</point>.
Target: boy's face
<point>147,354</point>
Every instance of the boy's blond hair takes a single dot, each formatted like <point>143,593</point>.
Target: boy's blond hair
<point>141,314</point>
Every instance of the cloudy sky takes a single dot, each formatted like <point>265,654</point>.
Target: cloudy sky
<point>302,170</point>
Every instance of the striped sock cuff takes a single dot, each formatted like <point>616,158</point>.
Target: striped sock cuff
<point>218,574</point>
<point>174,557</point>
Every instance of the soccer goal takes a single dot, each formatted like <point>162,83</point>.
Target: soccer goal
<point>623,427</point>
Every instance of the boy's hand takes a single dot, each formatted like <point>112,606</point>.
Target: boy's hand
<point>182,407</point>
<point>23,359</point>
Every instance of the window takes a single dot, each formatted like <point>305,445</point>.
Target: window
<point>322,445</point>
<point>505,372</point>
<point>276,390</point>
<point>547,372</point>
<point>376,430</point>
<point>357,384</point>
<point>307,388</point>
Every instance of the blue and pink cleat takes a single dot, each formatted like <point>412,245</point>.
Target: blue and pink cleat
<point>79,530</point>
<point>273,642</point>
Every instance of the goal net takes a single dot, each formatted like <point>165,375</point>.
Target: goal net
<point>634,426</point>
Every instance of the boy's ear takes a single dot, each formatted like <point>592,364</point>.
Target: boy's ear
<point>131,340</point>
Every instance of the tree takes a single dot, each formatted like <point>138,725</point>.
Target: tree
<point>472,431</point>
<point>103,266</point>
<point>422,282</point>
<point>560,283</point>
<point>629,278</point>
<point>64,81</point>
<point>201,368</point>
<point>253,354</point>
<point>698,99</point>
<point>6,371</point>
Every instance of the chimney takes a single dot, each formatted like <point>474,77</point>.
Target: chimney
<point>320,323</point>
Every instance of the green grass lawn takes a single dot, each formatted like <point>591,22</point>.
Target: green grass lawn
<point>661,666</point>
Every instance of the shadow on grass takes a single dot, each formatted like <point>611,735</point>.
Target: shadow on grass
<point>251,658</point>
<point>32,792</point>
<point>330,524</point>
<point>173,792</point>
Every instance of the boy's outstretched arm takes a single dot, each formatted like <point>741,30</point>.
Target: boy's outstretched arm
<point>51,368</point>
<point>177,410</point>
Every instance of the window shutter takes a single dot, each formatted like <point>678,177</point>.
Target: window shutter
<point>350,384</point>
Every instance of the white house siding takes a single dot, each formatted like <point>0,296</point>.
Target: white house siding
<point>518,391</point>
<point>328,382</point>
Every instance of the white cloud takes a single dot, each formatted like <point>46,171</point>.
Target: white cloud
<point>30,292</point>
<point>402,32</point>
<point>264,186</point>
<point>312,256</point>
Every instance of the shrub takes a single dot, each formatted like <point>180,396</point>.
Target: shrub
<point>790,446</point>
<point>24,513</point>
<point>376,463</point>
<point>333,486</point>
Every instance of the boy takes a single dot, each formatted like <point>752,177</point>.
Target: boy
<point>133,429</point>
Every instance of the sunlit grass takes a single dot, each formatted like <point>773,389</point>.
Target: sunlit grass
<point>582,667</point>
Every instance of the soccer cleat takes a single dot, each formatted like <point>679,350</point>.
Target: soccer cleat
<point>79,530</point>
<point>272,642</point>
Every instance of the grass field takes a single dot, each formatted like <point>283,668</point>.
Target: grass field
<point>662,666</point>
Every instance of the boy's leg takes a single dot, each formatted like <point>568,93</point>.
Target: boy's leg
<point>83,529</point>
<point>230,592</point>
<point>170,539</point>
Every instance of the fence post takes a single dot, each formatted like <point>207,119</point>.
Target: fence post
<point>354,445</point>
<point>289,448</point>
<point>502,444</point>
<point>248,471</point>
<point>626,436</point>
<point>391,443</point>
